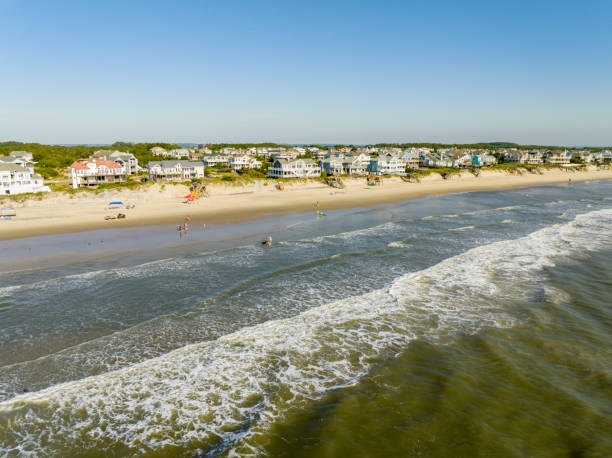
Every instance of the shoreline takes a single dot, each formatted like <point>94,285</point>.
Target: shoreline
<point>160,205</point>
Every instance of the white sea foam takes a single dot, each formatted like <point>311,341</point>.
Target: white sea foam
<point>380,229</point>
<point>228,391</point>
<point>464,228</point>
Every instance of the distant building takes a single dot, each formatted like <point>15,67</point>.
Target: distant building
<point>93,172</point>
<point>516,156</point>
<point>603,157</point>
<point>159,151</point>
<point>294,168</point>
<point>25,155</point>
<point>229,151</point>
<point>180,170</point>
<point>178,153</point>
<point>282,154</point>
<point>204,149</point>
<point>16,179</point>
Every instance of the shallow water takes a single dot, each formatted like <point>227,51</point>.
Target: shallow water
<point>466,324</point>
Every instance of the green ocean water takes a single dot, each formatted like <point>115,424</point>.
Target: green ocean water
<point>475,324</point>
<point>543,388</point>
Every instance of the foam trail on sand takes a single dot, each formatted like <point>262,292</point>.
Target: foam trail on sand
<point>224,393</point>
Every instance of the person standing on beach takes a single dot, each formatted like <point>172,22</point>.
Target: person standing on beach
<point>179,228</point>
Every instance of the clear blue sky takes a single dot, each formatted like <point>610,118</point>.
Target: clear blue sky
<point>306,72</point>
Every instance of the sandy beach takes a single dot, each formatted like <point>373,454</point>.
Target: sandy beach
<point>62,212</point>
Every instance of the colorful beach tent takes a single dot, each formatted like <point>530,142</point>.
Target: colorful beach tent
<point>115,203</point>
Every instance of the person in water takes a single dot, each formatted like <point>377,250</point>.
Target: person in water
<point>269,240</point>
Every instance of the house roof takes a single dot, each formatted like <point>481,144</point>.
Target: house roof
<point>19,153</point>
<point>82,165</point>
<point>4,167</point>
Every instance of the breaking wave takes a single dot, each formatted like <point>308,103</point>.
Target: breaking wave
<point>221,395</point>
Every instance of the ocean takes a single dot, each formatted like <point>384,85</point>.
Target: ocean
<point>470,324</point>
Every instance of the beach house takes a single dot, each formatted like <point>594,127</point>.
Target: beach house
<point>482,160</point>
<point>332,165</point>
<point>126,160</point>
<point>94,172</point>
<point>385,165</point>
<point>516,156</point>
<point>244,161</point>
<point>294,168</point>
<point>17,161</point>
<point>179,170</point>
<point>23,155</point>
<point>411,158</point>
<point>210,160</point>
<point>178,153</point>
<point>441,158</point>
<point>159,151</point>
<point>556,158</point>
<point>534,157</point>
<point>16,179</point>
<point>281,153</point>
<point>603,157</point>
<point>356,164</point>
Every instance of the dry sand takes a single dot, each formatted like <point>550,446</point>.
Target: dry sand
<point>63,212</point>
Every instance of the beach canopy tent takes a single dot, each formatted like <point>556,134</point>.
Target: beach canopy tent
<point>115,203</point>
<point>7,212</point>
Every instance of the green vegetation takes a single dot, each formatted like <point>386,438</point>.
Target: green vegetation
<point>444,171</point>
<point>253,173</point>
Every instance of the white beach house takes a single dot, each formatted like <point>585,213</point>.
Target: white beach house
<point>383,165</point>
<point>556,158</point>
<point>159,151</point>
<point>294,168</point>
<point>175,170</point>
<point>25,155</point>
<point>178,153</point>
<point>210,160</point>
<point>244,161</point>
<point>16,179</point>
